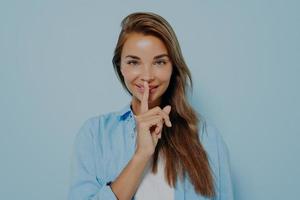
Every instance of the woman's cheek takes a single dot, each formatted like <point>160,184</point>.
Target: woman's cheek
<point>129,74</point>
<point>129,80</point>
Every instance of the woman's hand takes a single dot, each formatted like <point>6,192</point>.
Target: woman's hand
<point>149,125</point>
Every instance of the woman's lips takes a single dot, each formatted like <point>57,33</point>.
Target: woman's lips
<point>151,89</point>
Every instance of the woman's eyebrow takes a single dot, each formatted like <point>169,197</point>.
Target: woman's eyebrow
<point>131,56</point>
<point>160,56</point>
<point>156,57</point>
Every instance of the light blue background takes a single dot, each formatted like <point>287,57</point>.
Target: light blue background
<point>56,71</point>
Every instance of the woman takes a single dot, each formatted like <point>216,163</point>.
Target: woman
<point>156,147</point>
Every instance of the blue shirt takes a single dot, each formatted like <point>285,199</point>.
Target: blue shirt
<point>105,144</point>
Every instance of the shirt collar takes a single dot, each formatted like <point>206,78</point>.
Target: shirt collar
<point>125,112</point>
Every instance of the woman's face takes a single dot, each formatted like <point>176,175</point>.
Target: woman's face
<point>145,58</point>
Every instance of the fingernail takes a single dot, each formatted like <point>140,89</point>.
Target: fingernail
<point>169,109</point>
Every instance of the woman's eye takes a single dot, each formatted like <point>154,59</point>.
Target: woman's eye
<point>132,62</point>
<point>160,62</point>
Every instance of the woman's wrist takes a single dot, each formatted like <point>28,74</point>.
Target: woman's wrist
<point>143,157</point>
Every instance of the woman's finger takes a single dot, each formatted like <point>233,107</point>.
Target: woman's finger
<point>158,111</point>
<point>158,129</point>
<point>166,110</point>
<point>144,103</point>
<point>152,121</point>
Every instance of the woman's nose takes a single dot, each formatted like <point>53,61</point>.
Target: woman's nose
<point>147,73</point>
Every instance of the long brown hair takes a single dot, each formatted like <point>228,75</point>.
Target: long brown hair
<point>180,145</point>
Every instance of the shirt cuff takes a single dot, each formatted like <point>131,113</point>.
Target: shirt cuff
<point>107,193</point>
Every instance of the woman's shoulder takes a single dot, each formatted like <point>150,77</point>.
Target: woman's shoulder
<point>101,120</point>
<point>104,121</point>
<point>208,132</point>
<point>211,138</point>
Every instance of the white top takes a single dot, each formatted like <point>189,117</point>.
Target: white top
<point>154,186</point>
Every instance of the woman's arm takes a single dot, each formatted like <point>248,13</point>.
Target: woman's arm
<point>125,186</point>
<point>85,184</point>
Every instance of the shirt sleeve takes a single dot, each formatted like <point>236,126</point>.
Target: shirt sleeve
<point>84,182</point>
<point>225,191</point>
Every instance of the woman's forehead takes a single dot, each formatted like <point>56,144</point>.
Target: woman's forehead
<point>139,45</point>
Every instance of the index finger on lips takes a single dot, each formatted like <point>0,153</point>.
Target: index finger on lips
<point>144,103</point>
